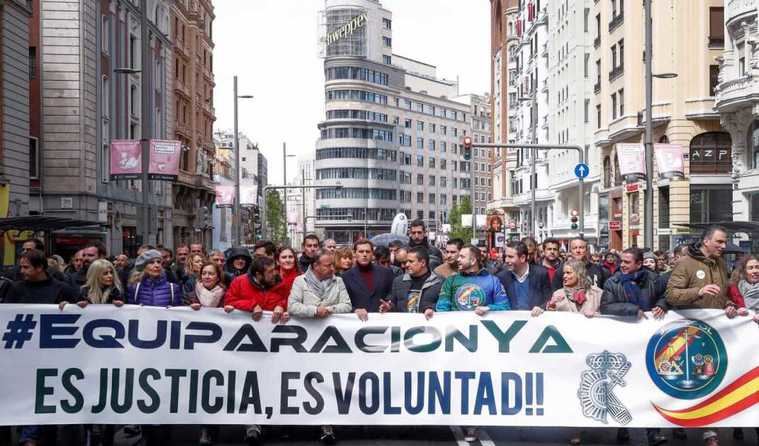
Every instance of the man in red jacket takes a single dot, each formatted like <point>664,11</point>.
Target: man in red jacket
<point>255,292</point>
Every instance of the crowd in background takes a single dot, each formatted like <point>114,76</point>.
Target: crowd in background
<point>417,277</point>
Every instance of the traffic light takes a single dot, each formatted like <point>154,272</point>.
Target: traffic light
<point>574,220</point>
<point>467,148</point>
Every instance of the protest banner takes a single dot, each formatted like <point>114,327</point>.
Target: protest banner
<point>141,365</point>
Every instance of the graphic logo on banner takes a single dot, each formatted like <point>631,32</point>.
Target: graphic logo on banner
<point>632,160</point>
<point>686,359</point>
<point>469,296</point>
<point>164,159</point>
<point>607,371</point>
<point>225,196</point>
<point>126,159</point>
<point>669,160</point>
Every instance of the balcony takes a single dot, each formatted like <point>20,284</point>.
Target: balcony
<point>736,93</point>
<point>739,9</point>
<point>616,21</point>
<point>616,72</point>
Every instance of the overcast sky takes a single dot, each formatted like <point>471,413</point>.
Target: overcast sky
<point>272,46</point>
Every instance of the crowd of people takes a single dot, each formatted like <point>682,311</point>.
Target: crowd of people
<point>324,279</point>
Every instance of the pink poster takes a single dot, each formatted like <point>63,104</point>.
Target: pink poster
<point>669,160</point>
<point>632,160</point>
<point>126,159</point>
<point>164,159</point>
<point>225,196</point>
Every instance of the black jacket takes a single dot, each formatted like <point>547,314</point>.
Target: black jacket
<point>428,299</point>
<point>363,298</point>
<point>305,262</point>
<point>115,294</point>
<point>598,275</point>
<point>232,254</point>
<point>615,302</point>
<point>538,285</point>
<point>48,291</point>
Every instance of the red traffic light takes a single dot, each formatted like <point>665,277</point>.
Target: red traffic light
<point>467,142</point>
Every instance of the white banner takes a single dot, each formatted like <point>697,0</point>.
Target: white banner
<point>140,365</point>
<point>632,160</point>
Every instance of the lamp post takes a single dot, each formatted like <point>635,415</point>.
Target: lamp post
<point>648,223</point>
<point>237,217</point>
<point>284,178</point>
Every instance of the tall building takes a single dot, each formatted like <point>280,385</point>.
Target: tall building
<point>223,175</point>
<point>93,78</point>
<point>193,118</point>
<point>253,176</point>
<point>683,114</point>
<point>300,202</point>
<point>546,86</point>
<point>17,167</point>
<point>391,133</point>
<point>480,122</point>
<point>737,99</point>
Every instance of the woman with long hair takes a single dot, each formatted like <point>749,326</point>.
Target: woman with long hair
<point>343,260</point>
<point>744,289</point>
<point>191,276</point>
<point>287,263</point>
<point>209,290</point>
<point>103,285</point>
<point>577,295</point>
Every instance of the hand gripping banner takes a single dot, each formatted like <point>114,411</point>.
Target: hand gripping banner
<point>140,365</point>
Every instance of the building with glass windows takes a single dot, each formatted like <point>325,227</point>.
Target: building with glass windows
<point>392,130</point>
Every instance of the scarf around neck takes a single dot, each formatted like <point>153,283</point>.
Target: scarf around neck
<point>630,285</point>
<point>750,293</point>
<point>576,295</point>
<point>209,298</point>
<point>319,287</point>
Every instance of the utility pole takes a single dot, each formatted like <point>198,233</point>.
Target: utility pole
<point>284,181</point>
<point>236,222</point>
<point>146,121</point>
<point>533,159</point>
<point>648,226</point>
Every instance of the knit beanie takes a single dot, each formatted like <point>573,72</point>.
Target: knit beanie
<point>146,257</point>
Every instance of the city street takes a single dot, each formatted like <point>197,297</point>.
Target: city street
<point>420,436</point>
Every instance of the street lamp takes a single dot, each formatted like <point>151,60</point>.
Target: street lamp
<point>237,217</point>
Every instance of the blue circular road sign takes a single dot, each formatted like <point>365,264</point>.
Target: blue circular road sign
<point>582,170</point>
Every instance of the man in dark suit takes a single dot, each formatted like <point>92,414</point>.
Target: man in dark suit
<point>369,285</point>
<point>526,283</point>
<point>578,250</point>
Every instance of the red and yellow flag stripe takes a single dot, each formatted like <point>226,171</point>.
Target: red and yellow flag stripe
<point>676,345</point>
<point>736,397</point>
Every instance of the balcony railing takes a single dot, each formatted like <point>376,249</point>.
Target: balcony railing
<point>616,72</point>
<point>616,21</point>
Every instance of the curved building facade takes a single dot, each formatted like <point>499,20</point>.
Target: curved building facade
<point>390,134</point>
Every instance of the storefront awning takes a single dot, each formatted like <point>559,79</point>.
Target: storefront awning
<point>37,223</point>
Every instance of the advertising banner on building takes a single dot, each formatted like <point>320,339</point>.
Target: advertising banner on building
<point>669,160</point>
<point>126,159</point>
<point>148,365</point>
<point>164,159</point>
<point>248,195</point>
<point>632,160</point>
<point>225,196</point>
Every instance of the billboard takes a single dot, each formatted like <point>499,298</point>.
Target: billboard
<point>669,160</point>
<point>126,159</point>
<point>164,159</point>
<point>225,196</point>
<point>632,160</point>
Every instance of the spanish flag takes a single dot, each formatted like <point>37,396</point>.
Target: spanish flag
<point>736,397</point>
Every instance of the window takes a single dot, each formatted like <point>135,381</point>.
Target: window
<point>432,180</point>
<point>614,56</point>
<point>598,116</point>
<point>419,143</point>
<point>664,207</point>
<point>711,153</point>
<point>587,65</point>
<point>34,158</point>
<point>613,106</point>
<point>420,161</point>
<point>387,60</point>
<point>443,146</point>
<point>586,19</point>
<point>387,42</point>
<point>32,62</point>
<point>621,46</point>
<point>587,111</point>
<point>713,79</point>
<point>432,199</point>
<point>621,96</point>
<point>132,51</point>
<point>711,204</point>
<point>419,179</point>
<point>432,145</point>
<point>607,173</point>
<point>420,197</point>
<point>419,126</point>
<point>753,145</point>
<point>432,163</point>
<point>716,27</point>
<point>443,183</point>
<point>387,23</point>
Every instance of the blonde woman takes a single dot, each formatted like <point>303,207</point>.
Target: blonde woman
<point>102,286</point>
<point>577,295</point>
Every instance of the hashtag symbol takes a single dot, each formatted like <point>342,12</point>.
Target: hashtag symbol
<point>19,331</point>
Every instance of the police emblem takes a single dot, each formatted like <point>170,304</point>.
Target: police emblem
<point>469,296</point>
<point>598,401</point>
<point>686,359</point>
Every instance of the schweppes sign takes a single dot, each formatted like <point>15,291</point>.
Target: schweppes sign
<point>346,30</point>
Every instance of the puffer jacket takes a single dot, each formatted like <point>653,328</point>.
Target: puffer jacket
<point>429,294</point>
<point>232,254</point>
<point>304,301</point>
<point>245,293</point>
<point>615,302</point>
<point>692,273</point>
<point>155,293</point>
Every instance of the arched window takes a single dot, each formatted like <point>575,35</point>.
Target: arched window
<point>607,172</point>
<point>617,176</point>
<point>664,140</point>
<point>711,153</point>
<point>753,145</point>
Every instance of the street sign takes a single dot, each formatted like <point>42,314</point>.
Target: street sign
<point>615,225</point>
<point>582,170</point>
